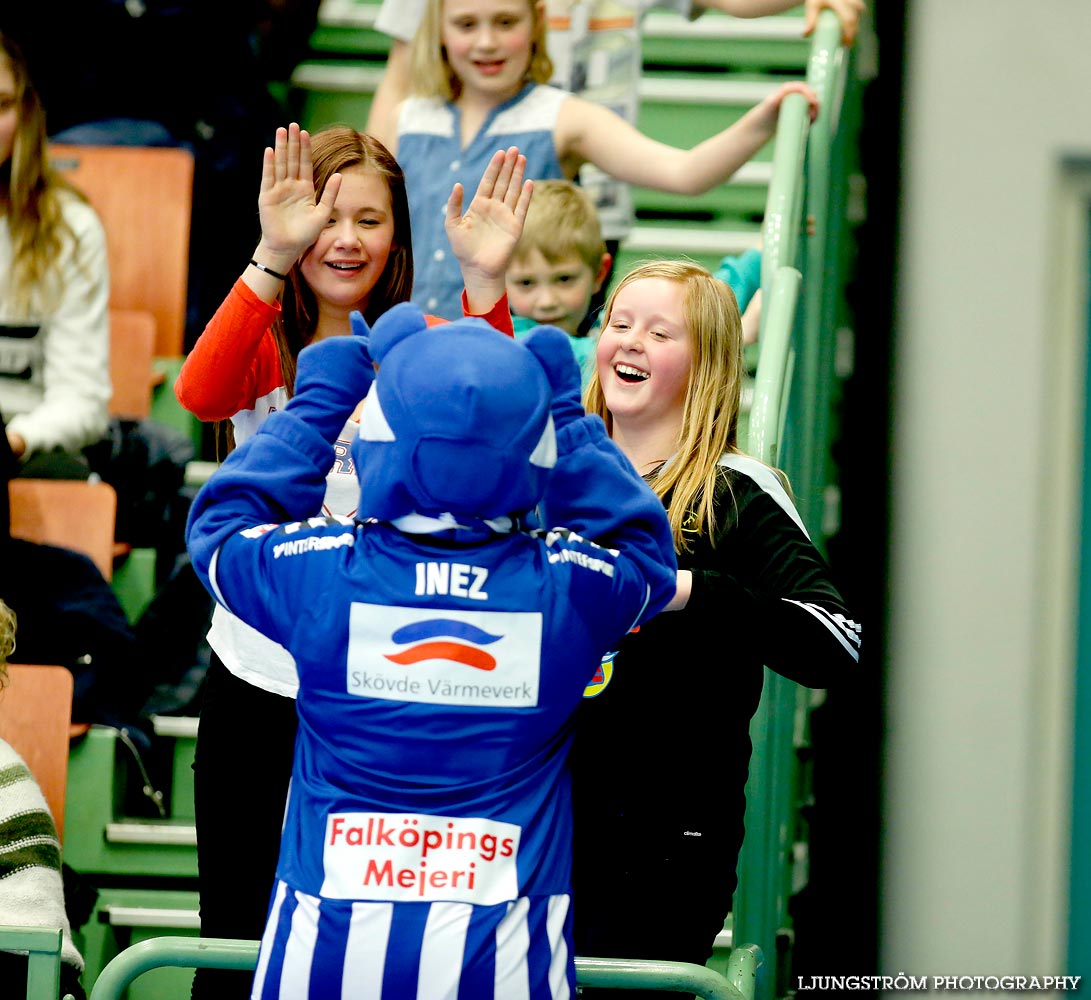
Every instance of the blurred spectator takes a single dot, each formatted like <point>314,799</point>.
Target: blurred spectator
<point>54,285</point>
<point>193,73</point>
<point>31,888</point>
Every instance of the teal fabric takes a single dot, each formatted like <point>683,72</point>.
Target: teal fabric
<point>743,274</point>
<point>582,347</point>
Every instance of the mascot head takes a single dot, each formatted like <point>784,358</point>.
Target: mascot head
<point>457,422</point>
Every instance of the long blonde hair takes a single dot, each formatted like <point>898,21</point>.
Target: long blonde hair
<point>432,75</point>
<point>710,413</point>
<point>31,198</point>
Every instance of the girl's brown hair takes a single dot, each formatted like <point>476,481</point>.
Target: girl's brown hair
<point>335,149</point>
<point>710,413</point>
<point>332,150</point>
<point>432,75</point>
<point>31,193</point>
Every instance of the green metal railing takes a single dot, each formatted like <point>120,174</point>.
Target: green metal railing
<point>224,953</point>
<point>42,946</point>
<point>790,427</point>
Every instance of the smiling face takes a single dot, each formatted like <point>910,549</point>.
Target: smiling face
<point>488,45</point>
<point>559,293</point>
<point>348,258</point>
<point>645,353</point>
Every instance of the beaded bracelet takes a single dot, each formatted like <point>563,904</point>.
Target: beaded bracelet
<point>268,270</point>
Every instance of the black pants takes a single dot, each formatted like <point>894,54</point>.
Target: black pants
<point>637,897</point>
<point>242,768</point>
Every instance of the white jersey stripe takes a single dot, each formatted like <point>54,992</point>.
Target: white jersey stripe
<point>556,916</point>
<point>213,562</point>
<point>442,950</point>
<point>295,980</point>
<point>844,636</point>
<point>512,977</point>
<point>767,479</point>
<point>267,940</point>
<point>365,953</point>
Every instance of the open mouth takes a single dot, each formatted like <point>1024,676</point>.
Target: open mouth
<point>345,266</point>
<point>627,373</point>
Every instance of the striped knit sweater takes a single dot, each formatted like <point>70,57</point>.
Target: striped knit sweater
<point>31,891</point>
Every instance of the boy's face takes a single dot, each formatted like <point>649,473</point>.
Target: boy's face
<point>558,294</point>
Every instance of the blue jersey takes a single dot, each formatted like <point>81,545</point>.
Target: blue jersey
<point>428,830</point>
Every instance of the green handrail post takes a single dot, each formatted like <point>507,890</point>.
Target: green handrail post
<point>767,409</point>
<point>827,73</point>
<point>773,768</point>
<point>43,947</point>
<point>634,974</point>
<point>174,952</point>
<point>784,202</point>
<point>742,968</point>
<point>761,900</point>
<point>788,426</point>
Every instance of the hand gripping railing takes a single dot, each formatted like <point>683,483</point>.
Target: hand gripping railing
<point>225,953</point>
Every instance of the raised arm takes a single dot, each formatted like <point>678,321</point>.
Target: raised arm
<point>234,358</point>
<point>848,11</point>
<point>291,219</point>
<point>280,473</point>
<point>590,133</point>
<point>484,237</point>
<point>392,90</point>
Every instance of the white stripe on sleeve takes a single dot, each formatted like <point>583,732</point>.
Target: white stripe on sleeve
<point>846,632</point>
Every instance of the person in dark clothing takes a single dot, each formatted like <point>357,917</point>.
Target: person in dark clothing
<point>662,748</point>
<point>193,73</point>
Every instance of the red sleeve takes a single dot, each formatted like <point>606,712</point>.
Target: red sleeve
<point>499,316</point>
<point>234,361</point>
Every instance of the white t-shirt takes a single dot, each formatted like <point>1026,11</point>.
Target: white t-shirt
<point>55,358</point>
<point>246,652</point>
<point>595,48</point>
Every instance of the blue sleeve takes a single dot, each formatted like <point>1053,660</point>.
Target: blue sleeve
<point>595,491</point>
<point>278,475</point>
<point>743,274</point>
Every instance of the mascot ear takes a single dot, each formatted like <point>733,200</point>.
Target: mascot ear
<point>397,323</point>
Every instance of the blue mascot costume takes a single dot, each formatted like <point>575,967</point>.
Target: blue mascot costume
<point>442,647</point>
